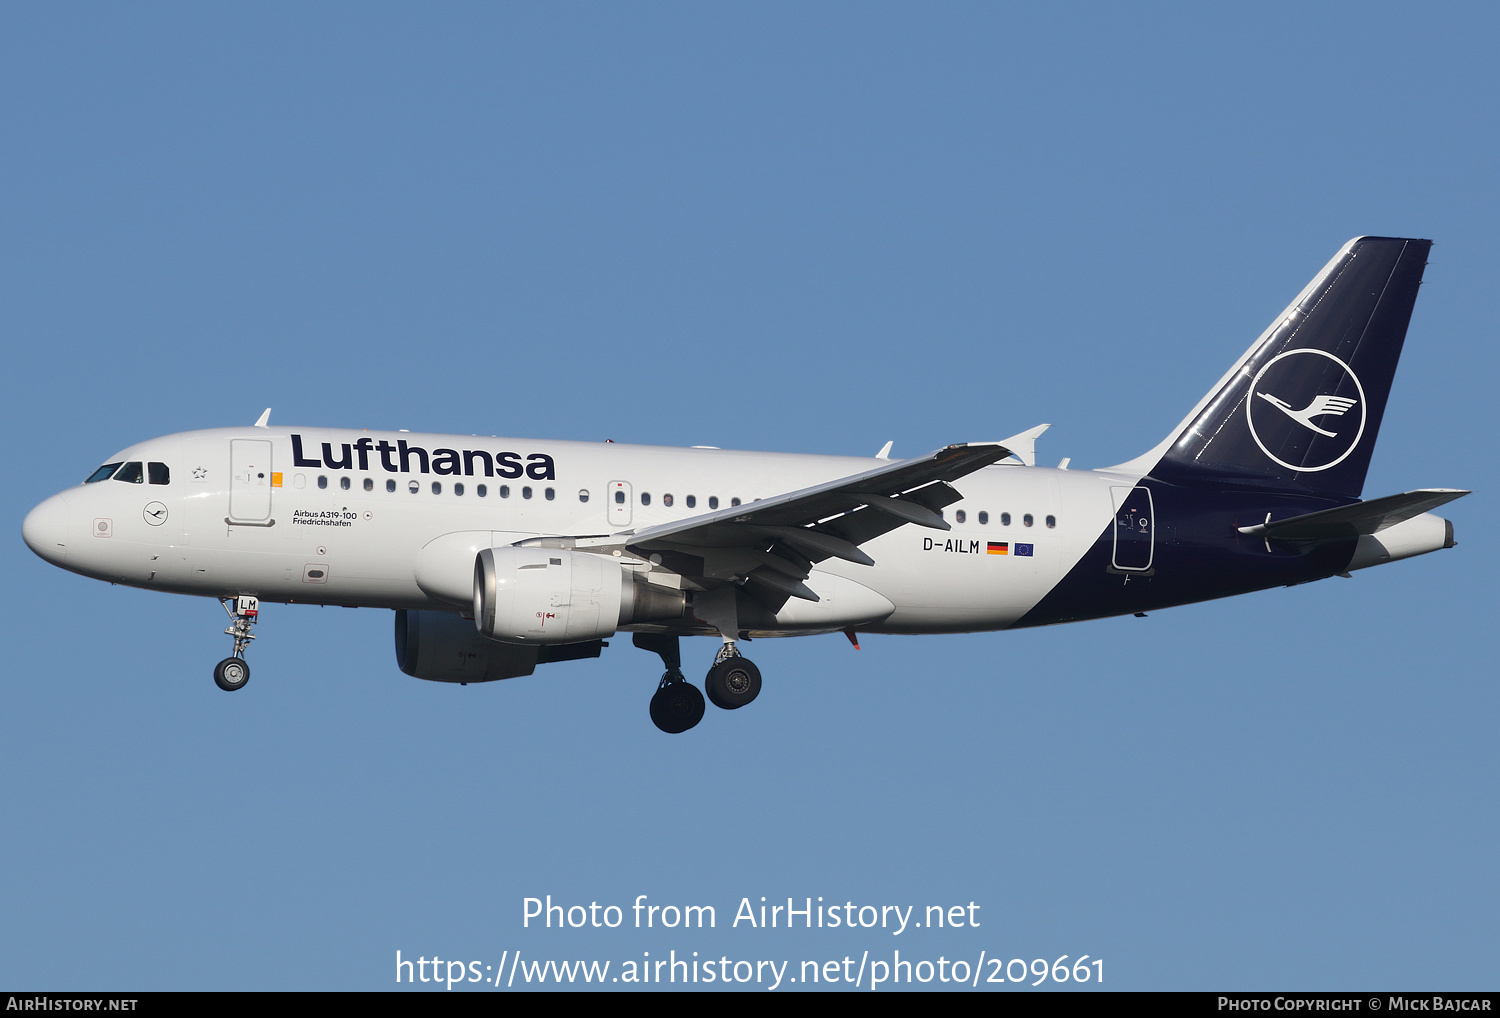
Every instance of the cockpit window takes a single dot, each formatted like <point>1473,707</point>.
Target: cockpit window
<point>132,473</point>
<point>103,473</point>
<point>158,473</point>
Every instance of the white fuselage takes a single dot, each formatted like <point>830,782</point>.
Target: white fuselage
<point>239,522</point>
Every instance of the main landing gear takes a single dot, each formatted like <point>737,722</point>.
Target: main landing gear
<point>232,673</point>
<point>732,682</point>
<point>677,705</point>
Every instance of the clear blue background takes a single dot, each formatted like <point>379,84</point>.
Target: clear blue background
<point>778,226</point>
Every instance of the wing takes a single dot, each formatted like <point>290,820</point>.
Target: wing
<point>772,543</point>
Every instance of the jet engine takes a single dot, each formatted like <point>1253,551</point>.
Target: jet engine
<point>549,596</point>
<point>443,647</point>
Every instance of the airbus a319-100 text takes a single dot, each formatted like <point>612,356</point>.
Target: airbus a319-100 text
<point>500,555</point>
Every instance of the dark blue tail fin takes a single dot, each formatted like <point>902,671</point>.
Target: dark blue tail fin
<point>1302,408</point>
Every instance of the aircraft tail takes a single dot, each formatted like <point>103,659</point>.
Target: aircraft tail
<point>1301,409</point>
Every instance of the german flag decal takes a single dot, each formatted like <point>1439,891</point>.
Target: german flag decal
<point>999,548</point>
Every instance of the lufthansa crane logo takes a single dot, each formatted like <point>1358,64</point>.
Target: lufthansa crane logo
<point>1306,411</point>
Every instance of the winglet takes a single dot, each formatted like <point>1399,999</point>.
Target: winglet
<point>885,450</point>
<point>1023,446</point>
<point>265,419</point>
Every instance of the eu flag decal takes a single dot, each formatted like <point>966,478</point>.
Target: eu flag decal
<point>999,548</point>
<point>1023,549</point>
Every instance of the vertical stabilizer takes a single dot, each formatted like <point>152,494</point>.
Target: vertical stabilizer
<point>1301,409</point>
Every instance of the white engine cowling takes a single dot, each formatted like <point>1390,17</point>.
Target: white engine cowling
<point>1416,536</point>
<point>445,648</point>
<point>550,596</point>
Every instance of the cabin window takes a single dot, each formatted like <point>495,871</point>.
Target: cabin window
<point>1005,519</point>
<point>157,473</point>
<point>666,500</point>
<point>369,484</point>
<point>413,487</point>
<point>1026,520</point>
<point>103,473</point>
<point>390,485</point>
<point>299,481</point>
<point>526,492</point>
<point>322,480</point>
<point>437,487</point>
<point>549,494</point>
<point>984,518</point>
<point>734,501</point>
<point>131,473</point>
<point>961,516</point>
<point>458,489</point>
<point>645,498</point>
<point>1051,522</point>
<point>619,498</point>
<point>583,495</point>
<point>481,490</point>
<point>344,483</point>
<point>692,501</point>
<point>713,501</point>
<point>505,491</point>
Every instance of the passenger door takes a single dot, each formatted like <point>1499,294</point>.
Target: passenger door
<point>249,480</point>
<point>618,497</point>
<point>1135,529</point>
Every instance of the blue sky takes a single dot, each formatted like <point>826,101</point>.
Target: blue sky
<point>808,228</point>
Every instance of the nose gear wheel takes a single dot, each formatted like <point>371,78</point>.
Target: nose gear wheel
<point>231,673</point>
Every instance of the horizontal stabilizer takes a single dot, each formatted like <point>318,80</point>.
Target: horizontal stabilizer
<point>1361,518</point>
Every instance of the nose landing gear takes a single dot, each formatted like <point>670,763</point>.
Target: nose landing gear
<point>233,672</point>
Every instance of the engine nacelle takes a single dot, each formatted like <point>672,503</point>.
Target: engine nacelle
<point>550,596</point>
<point>444,647</point>
<point>1416,536</point>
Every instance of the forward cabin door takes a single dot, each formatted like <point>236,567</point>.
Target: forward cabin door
<point>249,480</point>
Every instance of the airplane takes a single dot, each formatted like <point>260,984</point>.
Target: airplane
<point>499,555</point>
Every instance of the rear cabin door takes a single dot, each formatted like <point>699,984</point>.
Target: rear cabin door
<point>249,479</point>
<point>1135,529</point>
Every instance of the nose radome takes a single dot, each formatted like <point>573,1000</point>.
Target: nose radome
<point>45,530</point>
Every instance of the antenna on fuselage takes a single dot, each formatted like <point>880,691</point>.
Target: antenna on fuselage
<point>265,419</point>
